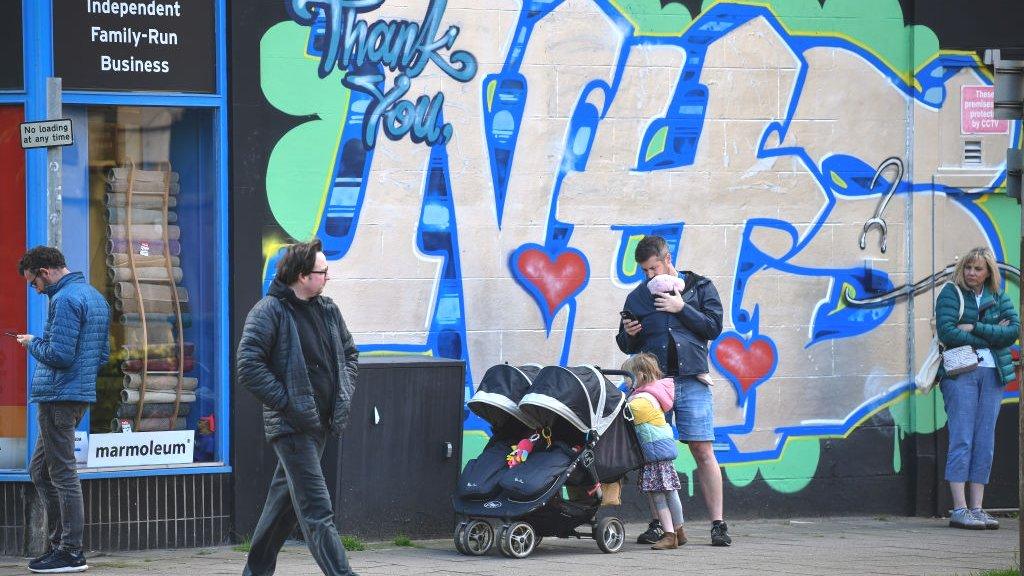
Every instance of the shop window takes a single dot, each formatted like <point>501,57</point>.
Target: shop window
<point>140,209</point>
<point>13,383</point>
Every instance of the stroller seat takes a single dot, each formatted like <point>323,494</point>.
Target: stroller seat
<point>541,469</point>
<point>479,481</point>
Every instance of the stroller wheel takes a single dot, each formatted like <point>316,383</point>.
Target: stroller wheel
<point>476,538</point>
<point>459,530</point>
<point>610,534</point>
<point>518,540</point>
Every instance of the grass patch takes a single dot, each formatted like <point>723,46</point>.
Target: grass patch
<point>1003,572</point>
<point>403,540</point>
<point>243,546</point>
<point>352,543</point>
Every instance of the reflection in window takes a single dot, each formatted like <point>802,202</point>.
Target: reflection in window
<point>13,429</point>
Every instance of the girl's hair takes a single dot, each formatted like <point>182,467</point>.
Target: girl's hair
<point>645,367</point>
<point>995,279</point>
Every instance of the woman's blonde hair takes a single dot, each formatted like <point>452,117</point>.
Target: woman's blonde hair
<point>995,279</point>
<point>644,366</point>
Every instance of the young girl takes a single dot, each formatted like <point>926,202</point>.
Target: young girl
<point>650,399</point>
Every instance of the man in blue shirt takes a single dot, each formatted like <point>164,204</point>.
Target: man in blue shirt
<point>676,328</point>
<point>68,356</point>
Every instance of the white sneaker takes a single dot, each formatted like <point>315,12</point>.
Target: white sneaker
<point>963,518</point>
<point>990,522</point>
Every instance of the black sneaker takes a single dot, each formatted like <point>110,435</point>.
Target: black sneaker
<point>39,559</point>
<point>720,534</point>
<point>59,562</point>
<point>653,534</point>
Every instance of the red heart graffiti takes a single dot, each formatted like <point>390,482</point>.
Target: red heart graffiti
<point>555,280</point>
<point>747,364</point>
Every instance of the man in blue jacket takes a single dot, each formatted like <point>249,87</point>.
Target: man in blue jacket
<point>298,357</point>
<point>68,356</point>
<point>676,329</point>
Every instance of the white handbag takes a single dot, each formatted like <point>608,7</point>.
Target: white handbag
<point>962,359</point>
<point>925,377</point>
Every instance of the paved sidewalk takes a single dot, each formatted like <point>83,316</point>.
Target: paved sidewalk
<point>819,546</point>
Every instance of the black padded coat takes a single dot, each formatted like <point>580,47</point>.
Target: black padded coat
<point>271,366</point>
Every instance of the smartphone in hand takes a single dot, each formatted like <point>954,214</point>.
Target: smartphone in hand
<point>627,315</point>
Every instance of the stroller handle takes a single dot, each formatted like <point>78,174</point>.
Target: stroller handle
<point>624,373</point>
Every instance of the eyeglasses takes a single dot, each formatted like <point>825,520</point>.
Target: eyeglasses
<point>324,271</point>
<point>32,282</point>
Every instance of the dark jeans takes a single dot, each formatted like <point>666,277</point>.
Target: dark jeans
<point>54,474</point>
<point>298,494</point>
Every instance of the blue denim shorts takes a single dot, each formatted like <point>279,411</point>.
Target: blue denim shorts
<point>694,410</point>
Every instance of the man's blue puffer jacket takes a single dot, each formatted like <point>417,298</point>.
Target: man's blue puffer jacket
<point>74,343</point>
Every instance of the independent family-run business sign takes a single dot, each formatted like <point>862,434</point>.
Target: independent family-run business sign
<point>159,45</point>
<point>141,448</point>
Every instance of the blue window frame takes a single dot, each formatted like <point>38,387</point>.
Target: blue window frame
<point>206,123</point>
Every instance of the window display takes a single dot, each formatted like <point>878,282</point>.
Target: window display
<point>149,207</point>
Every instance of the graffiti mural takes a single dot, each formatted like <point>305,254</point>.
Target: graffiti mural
<point>806,156</point>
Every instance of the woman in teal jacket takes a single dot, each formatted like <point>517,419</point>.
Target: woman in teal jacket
<point>990,325</point>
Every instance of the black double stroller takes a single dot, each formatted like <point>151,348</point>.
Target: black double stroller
<point>579,420</point>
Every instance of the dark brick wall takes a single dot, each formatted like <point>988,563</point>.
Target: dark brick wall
<point>130,513</point>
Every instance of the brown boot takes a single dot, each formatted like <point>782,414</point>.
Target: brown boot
<point>680,536</point>
<point>667,542</point>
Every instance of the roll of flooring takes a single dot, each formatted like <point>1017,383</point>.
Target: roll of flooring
<point>153,260</point>
<point>142,247</point>
<point>150,424</point>
<point>144,232</point>
<point>139,201</point>
<point>153,409</point>
<point>143,273</point>
<point>119,215</point>
<point>132,396</point>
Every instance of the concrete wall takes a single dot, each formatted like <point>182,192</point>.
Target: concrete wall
<point>746,133</point>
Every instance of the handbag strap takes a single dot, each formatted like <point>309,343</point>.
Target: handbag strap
<point>959,317</point>
<point>960,295</point>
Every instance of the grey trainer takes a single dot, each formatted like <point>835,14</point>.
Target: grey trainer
<point>990,522</point>
<point>963,518</point>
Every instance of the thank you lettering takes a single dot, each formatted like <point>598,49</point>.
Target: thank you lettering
<point>363,49</point>
<point>165,45</point>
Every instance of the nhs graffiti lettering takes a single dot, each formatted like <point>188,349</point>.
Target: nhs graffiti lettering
<point>763,140</point>
<point>363,50</point>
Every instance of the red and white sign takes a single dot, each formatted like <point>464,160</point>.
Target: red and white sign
<point>976,115</point>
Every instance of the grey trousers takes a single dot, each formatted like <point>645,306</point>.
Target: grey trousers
<point>55,476</point>
<point>298,494</point>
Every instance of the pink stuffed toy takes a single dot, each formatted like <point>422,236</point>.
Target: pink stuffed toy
<point>666,283</point>
<point>521,451</point>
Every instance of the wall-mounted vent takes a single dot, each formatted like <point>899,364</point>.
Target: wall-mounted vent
<point>972,152</point>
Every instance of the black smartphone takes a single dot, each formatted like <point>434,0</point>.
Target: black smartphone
<point>627,315</point>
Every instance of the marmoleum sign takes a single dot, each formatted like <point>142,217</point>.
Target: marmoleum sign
<point>141,448</point>
<point>164,45</point>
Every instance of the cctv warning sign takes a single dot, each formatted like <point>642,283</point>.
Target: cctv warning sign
<point>976,115</point>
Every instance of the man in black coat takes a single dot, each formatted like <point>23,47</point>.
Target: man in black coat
<point>298,357</point>
<point>676,328</point>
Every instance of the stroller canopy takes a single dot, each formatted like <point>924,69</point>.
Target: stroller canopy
<point>500,391</point>
<point>579,394</point>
